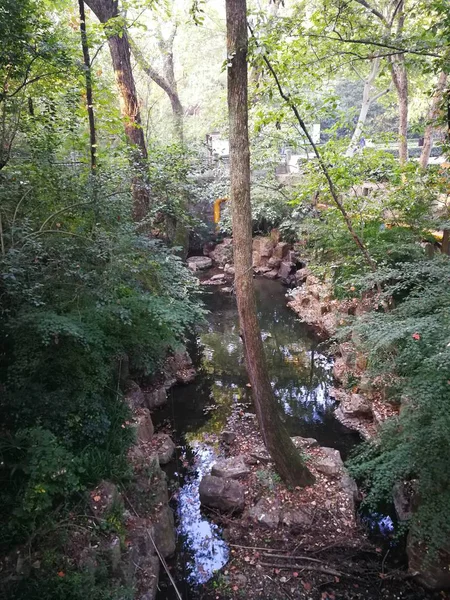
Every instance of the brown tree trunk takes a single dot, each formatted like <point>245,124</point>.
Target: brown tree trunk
<point>287,459</point>
<point>400,80</point>
<point>445,248</point>
<point>432,116</point>
<point>88,77</point>
<point>119,47</point>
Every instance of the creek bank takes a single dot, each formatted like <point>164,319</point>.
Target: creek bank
<point>363,407</point>
<point>270,258</point>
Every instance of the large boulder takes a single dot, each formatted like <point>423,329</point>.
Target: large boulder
<point>266,247</point>
<point>134,396</point>
<point>285,270</point>
<point>271,274</point>
<point>155,398</point>
<point>262,251</point>
<point>433,572</point>
<point>227,437</point>
<point>356,405</point>
<point>224,494</point>
<point>273,263</point>
<point>143,425</point>
<point>332,463</point>
<point>223,253</point>
<point>199,263</point>
<point>105,498</point>
<point>301,442</point>
<point>266,513</point>
<point>140,564</point>
<point>281,250</point>
<point>179,369</point>
<point>164,527</point>
<point>230,468</point>
<point>165,447</point>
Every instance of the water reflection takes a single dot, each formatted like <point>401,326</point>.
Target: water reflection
<point>207,551</point>
<point>300,376</point>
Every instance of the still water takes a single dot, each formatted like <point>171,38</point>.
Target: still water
<point>300,373</point>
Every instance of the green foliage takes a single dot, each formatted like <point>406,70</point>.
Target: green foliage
<point>412,342</point>
<point>70,585</point>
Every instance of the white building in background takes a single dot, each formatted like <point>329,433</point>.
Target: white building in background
<point>217,146</point>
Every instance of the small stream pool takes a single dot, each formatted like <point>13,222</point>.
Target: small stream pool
<point>300,373</point>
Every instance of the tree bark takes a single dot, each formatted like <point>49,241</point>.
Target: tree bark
<point>119,47</point>
<point>400,80</point>
<point>88,77</point>
<point>287,459</point>
<point>166,82</point>
<point>367,101</point>
<point>432,116</point>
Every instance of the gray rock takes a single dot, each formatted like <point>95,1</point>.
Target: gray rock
<point>355,405</point>
<point>296,518</point>
<point>156,398</point>
<point>266,513</point>
<point>228,437</point>
<point>104,498</point>
<point>332,464</point>
<point>229,269</point>
<point>223,494</point>
<point>349,487</point>
<point>134,396</point>
<point>199,263</point>
<point>260,454</point>
<point>281,250</point>
<point>230,468</point>
<point>433,572</point>
<point>262,270</point>
<point>327,466</point>
<point>178,369</point>
<point>301,442</point>
<point>285,270</point>
<point>164,447</point>
<point>274,262</point>
<point>164,527</point>
<point>302,275</point>
<point>404,495</point>
<point>114,554</point>
<point>223,253</point>
<point>143,425</point>
<point>140,558</point>
<point>271,274</point>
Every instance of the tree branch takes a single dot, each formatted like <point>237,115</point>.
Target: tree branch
<point>334,193</point>
<point>373,10</point>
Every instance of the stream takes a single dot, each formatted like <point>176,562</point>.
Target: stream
<point>301,375</point>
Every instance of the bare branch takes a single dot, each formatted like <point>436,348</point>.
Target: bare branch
<point>373,10</point>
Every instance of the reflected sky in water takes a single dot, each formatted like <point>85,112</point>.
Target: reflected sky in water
<point>301,376</point>
<point>207,551</point>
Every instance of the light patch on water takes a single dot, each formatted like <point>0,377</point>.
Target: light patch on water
<point>208,552</point>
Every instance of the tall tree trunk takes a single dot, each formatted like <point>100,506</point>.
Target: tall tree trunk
<point>88,77</point>
<point>367,101</point>
<point>400,80</point>
<point>167,82</point>
<point>432,116</point>
<point>119,47</point>
<point>287,459</point>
